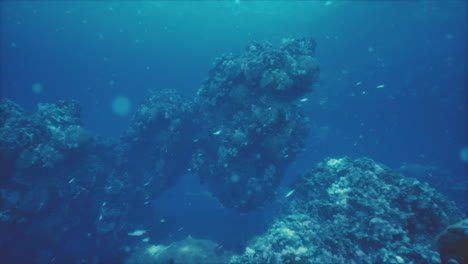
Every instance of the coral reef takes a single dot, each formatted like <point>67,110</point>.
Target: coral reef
<point>59,183</point>
<point>159,142</point>
<point>51,171</point>
<point>42,139</point>
<point>254,129</point>
<point>355,211</point>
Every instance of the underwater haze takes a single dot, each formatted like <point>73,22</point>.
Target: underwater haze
<point>233,132</point>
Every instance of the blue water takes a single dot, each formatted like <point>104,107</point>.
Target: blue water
<point>392,82</point>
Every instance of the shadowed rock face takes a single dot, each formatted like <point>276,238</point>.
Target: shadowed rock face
<point>159,142</point>
<point>453,243</point>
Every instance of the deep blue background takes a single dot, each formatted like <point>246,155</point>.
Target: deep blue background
<point>94,51</point>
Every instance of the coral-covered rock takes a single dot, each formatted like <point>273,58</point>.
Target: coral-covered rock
<point>41,139</point>
<point>51,169</point>
<point>254,129</point>
<point>355,211</point>
<point>187,251</point>
<point>159,143</point>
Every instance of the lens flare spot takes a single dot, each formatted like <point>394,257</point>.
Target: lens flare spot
<point>121,105</point>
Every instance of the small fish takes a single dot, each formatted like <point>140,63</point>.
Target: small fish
<point>289,193</point>
<point>380,86</point>
<point>72,180</point>
<point>358,83</point>
<point>137,233</point>
<point>219,250</point>
<point>305,99</point>
<point>217,132</point>
<point>249,251</point>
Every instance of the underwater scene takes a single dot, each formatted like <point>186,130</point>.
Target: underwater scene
<point>234,132</point>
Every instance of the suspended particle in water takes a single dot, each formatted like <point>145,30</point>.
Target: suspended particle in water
<point>121,105</point>
<point>464,154</point>
<point>37,88</point>
<point>235,178</point>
